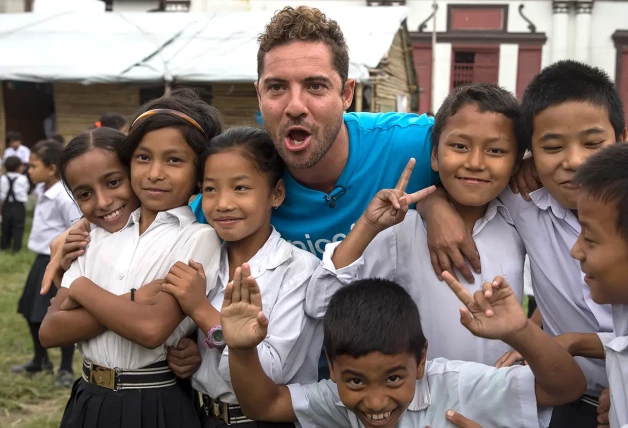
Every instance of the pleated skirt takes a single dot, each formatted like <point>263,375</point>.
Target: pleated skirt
<point>33,305</point>
<point>92,406</point>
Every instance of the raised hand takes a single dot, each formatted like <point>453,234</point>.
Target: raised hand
<point>244,325</point>
<point>493,312</point>
<point>188,284</point>
<point>389,206</point>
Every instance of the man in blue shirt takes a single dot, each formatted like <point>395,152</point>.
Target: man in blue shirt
<point>335,162</point>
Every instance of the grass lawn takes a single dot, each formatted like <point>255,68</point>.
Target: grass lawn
<point>25,402</point>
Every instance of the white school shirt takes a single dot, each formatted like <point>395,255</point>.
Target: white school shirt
<point>616,350</point>
<point>20,187</point>
<point>291,350</point>
<point>549,231</point>
<point>54,213</point>
<point>22,152</point>
<point>400,253</point>
<point>123,260</point>
<point>487,395</point>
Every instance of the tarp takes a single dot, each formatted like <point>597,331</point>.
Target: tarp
<point>154,47</point>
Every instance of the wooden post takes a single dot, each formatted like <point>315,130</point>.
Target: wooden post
<point>359,96</point>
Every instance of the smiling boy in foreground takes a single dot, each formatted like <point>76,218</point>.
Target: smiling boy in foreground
<point>379,373</point>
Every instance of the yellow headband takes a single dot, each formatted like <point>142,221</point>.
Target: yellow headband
<point>168,111</point>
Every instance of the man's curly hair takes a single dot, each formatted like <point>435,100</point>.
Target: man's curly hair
<point>306,24</point>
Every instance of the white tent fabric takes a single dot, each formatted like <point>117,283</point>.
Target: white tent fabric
<point>153,47</point>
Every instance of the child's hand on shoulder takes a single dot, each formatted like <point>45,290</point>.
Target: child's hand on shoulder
<point>188,284</point>
<point>492,312</point>
<point>389,206</point>
<point>244,325</point>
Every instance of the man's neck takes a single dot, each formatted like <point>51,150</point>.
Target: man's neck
<point>324,175</point>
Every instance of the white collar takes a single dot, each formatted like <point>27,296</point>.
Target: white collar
<point>273,254</point>
<point>184,216</point>
<point>545,201</point>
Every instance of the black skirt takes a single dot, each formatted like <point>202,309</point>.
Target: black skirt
<point>32,304</point>
<point>92,406</point>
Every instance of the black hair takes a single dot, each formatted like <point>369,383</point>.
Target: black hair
<point>13,136</point>
<point>112,120</point>
<point>255,144</point>
<point>182,100</point>
<point>488,97</point>
<point>372,315</point>
<point>58,138</point>
<point>604,176</point>
<point>566,81</point>
<point>13,164</point>
<point>49,152</point>
<point>107,139</point>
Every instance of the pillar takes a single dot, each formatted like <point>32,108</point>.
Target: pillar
<point>560,36</point>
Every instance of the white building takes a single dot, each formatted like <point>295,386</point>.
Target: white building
<point>505,42</point>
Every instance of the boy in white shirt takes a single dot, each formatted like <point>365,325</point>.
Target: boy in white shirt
<point>379,373</point>
<point>475,152</point>
<point>13,196</point>
<point>16,148</point>
<point>602,250</point>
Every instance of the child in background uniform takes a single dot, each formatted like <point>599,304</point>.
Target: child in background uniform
<point>379,373</point>
<point>55,212</point>
<point>241,187</point>
<point>569,111</point>
<point>475,151</point>
<point>112,120</point>
<point>126,381</point>
<point>16,148</point>
<point>13,197</point>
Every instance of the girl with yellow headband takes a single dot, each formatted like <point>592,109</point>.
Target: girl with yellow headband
<point>126,381</point>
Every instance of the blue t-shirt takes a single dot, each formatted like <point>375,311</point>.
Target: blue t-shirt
<point>380,146</point>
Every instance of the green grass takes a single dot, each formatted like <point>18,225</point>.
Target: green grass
<point>25,401</point>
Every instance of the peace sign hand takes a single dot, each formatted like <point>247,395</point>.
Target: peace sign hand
<point>492,312</point>
<point>389,206</point>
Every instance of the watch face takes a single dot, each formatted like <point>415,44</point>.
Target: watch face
<point>218,337</point>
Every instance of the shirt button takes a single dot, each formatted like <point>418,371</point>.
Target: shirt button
<point>120,275</point>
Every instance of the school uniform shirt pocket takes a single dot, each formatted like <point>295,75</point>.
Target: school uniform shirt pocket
<point>512,271</point>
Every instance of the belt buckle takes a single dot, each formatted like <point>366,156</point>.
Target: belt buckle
<point>102,376</point>
<point>220,411</point>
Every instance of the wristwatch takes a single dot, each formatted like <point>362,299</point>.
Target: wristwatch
<point>215,339</point>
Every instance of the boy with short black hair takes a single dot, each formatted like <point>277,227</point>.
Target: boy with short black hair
<point>13,196</point>
<point>602,250</point>
<point>475,152</point>
<point>569,111</point>
<point>380,375</point>
<point>16,148</point>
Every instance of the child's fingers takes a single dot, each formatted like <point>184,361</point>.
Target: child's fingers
<point>467,320</point>
<point>255,294</point>
<point>483,303</point>
<point>198,267</point>
<point>246,270</point>
<point>508,359</point>
<point>237,286</point>
<point>170,289</point>
<point>465,297</point>
<point>393,198</point>
<point>415,197</point>
<point>405,175</point>
<point>245,289</point>
<point>228,295</point>
<point>262,321</point>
